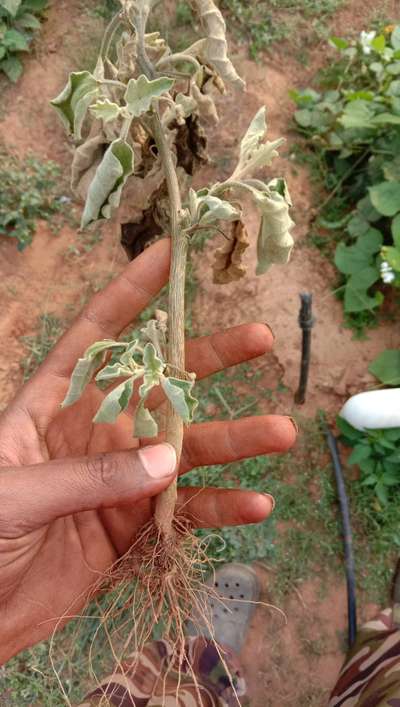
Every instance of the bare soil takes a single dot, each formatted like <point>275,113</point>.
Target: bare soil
<point>292,663</point>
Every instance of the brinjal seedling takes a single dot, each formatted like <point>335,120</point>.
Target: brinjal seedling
<point>139,124</point>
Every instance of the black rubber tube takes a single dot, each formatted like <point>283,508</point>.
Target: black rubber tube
<point>347,536</point>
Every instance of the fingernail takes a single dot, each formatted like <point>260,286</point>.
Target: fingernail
<point>272,501</point>
<point>270,328</point>
<point>159,460</point>
<point>294,423</point>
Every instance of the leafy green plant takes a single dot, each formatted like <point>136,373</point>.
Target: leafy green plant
<point>29,191</point>
<point>353,127</point>
<point>377,455</point>
<point>386,367</point>
<point>19,20</point>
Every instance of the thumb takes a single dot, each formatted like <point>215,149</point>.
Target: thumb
<point>33,496</point>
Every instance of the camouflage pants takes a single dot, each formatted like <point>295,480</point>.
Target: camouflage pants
<point>370,676</point>
<point>155,680</point>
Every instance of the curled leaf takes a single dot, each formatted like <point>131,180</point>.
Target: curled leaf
<point>275,241</point>
<point>227,265</point>
<point>212,209</point>
<point>153,369</point>
<point>115,402</point>
<point>104,192</point>
<point>105,110</point>
<point>73,102</point>
<point>140,93</point>
<point>179,393</point>
<point>217,46</point>
<point>86,367</point>
<point>254,153</point>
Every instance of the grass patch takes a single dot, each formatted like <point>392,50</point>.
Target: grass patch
<point>40,344</point>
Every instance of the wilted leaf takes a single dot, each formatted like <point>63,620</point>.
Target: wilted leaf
<point>254,153</point>
<point>73,102</point>
<point>154,332</point>
<point>86,159</point>
<point>140,93</point>
<point>104,193</point>
<point>105,110</point>
<point>227,265</point>
<point>85,369</point>
<point>145,424</point>
<point>217,47</point>
<point>153,369</point>
<point>212,209</point>
<point>179,393</point>
<point>114,370</point>
<point>115,402</point>
<point>275,241</point>
<point>386,367</point>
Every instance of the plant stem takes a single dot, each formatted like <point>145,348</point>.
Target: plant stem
<point>166,501</point>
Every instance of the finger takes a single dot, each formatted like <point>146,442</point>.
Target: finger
<point>217,508</point>
<point>210,443</point>
<point>210,354</point>
<point>33,496</point>
<point>106,315</point>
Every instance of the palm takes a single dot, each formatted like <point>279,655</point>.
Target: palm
<point>46,572</point>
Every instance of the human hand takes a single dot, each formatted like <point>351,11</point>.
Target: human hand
<point>71,502</point>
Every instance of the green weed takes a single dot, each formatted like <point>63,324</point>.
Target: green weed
<point>29,191</point>
<point>38,345</point>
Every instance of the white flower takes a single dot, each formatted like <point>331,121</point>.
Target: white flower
<point>365,41</point>
<point>387,273</point>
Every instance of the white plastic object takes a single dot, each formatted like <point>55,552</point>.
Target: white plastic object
<point>373,410</point>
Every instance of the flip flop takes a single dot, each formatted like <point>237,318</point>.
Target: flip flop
<point>230,610</point>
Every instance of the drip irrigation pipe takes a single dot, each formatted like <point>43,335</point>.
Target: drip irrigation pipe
<point>347,535</point>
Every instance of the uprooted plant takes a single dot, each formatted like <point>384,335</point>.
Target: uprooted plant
<point>139,122</point>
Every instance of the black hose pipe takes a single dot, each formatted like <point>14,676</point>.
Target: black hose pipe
<point>347,535</point>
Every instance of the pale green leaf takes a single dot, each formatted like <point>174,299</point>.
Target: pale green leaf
<point>254,153</point>
<point>145,424</point>
<point>140,93</point>
<point>214,209</point>
<point>105,110</point>
<point>85,368</point>
<point>357,114</point>
<point>179,393</point>
<point>395,38</point>
<point>275,242</point>
<point>115,402</point>
<point>386,198</point>
<point>104,193</point>
<point>12,6</point>
<point>155,332</point>
<point>153,370</point>
<point>114,370</point>
<point>73,102</point>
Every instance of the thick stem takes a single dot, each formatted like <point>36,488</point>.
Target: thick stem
<point>166,502</point>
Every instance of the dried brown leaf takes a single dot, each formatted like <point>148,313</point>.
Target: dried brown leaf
<point>228,265</point>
